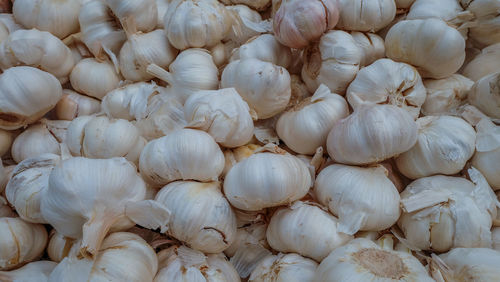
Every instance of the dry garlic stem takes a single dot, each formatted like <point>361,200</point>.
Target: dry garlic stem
<point>59,246</point>
<point>266,48</point>
<point>485,95</point>
<point>366,15</point>
<point>445,95</point>
<point>94,78</point>
<point>484,63</point>
<point>143,12</point>
<point>472,264</point>
<point>284,267</point>
<point>487,156</point>
<point>73,105</point>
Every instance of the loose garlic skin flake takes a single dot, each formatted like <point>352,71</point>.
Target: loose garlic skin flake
<point>94,78</point>
<point>366,15</point>
<point>445,95</point>
<point>284,267</point>
<point>73,105</point>
<point>485,95</point>
<point>266,48</point>
<point>35,271</point>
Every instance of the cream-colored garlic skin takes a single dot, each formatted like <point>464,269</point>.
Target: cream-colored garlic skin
<point>473,264</point>
<point>21,242</point>
<point>484,63</point>
<point>185,154</point>
<point>363,198</point>
<point>388,82</point>
<point>487,156</point>
<point>263,85</point>
<point>284,267</point>
<point>363,260</point>
<point>495,236</point>
<point>445,95</point>
<point>372,45</point>
<point>366,15</point>
<point>241,33</point>
<point>6,173</point>
<point>372,134</point>
<point>35,271</point>
<point>94,78</point>
<point>444,145</point>
<point>143,12</point>
<point>486,28</point>
<point>266,48</point>
<point>434,48</point>
<point>196,24</point>
<point>305,127</point>
<point>223,114</point>
<point>59,246</point>
<point>220,53</point>
<point>334,61</point>
<point>73,105</point>
<point>485,95</point>
<point>6,139</point>
<point>266,180</point>
<point>26,94</point>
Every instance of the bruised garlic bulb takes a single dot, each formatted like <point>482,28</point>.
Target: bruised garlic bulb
<point>266,48</point>
<point>35,271</point>
<point>334,61</point>
<point>26,94</point>
<point>240,33</point>
<point>487,156</point>
<point>263,85</point>
<point>284,267</point>
<point>445,95</point>
<point>484,63</point>
<point>372,45</point>
<point>363,198</point>
<point>73,105</point>
<point>143,12</point>
<point>434,48</point>
<point>366,15</point>
<point>59,246</point>
<point>485,95</point>
<point>94,78</point>
<point>444,145</point>
<point>486,28</point>
<point>21,242</point>
<point>469,264</point>
<point>388,82</point>
<point>185,154</point>
<point>372,134</point>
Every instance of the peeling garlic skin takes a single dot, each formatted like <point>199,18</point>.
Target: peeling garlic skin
<point>473,264</point>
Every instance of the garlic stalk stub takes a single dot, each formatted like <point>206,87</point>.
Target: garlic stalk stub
<point>487,154</point>
<point>94,78</point>
<point>366,15</point>
<point>485,95</point>
<point>486,30</point>
<point>266,48</point>
<point>73,105</point>
<point>143,12</point>
<point>284,267</point>
<point>35,271</point>
<point>445,95</point>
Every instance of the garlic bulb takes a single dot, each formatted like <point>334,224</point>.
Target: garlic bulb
<point>73,105</point>
<point>184,154</point>
<point>162,7</point>
<point>21,242</point>
<point>372,134</point>
<point>143,12</point>
<point>434,48</point>
<point>193,23</point>
<point>94,78</point>
<point>366,15</point>
<point>485,95</point>
<point>284,267</point>
<point>334,61</point>
<point>266,48</point>
<point>26,94</point>
<point>388,82</point>
<point>363,198</point>
<point>35,271</point>
<point>472,264</point>
<point>486,30</point>
<point>297,23</point>
<point>263,85</point>
<point>240,33</point>
<point>223,114</point>
<point>305,127</point>
<point>59,246</point>
<point>445,95</point>
<point>372,45</point>
<point>444,145</point>
<point>86,198</point>
<point>220,53</point>
<point>487,154</point>
<point>363,260</point>
<point>484,63</point>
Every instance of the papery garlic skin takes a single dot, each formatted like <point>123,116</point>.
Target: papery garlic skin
<point>185,154</point>
<point>6,140</point>
<point>94,78</point>
<point>484,63</point>
<point>21,242</point>
<point>434,48</point>
<point>263,85</point>
<point>73,105</point>
<point>474,264</point>
<point>445,95</point>
<point>486,29</point>
<point>266,48</point>
<point>485,95</point>
<point>5,209</point>
<point>35,271</point>
<point>284,267</point>
<point>444,145</point>
<point>388,82</point>
<point>366,15</point>
<point>59,246</point>
<point>334,61</point>
<point>372,134</point>
<point>26,94</point>
<point>372,45</point>
<point>6,175</point>
<point>241,32</point>
<point>143,12</point>
<point>487,154</point>
<point>363,198</point>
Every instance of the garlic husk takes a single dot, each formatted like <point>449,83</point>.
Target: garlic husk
<point>263,85</point>
<point>366,15</point>
<point>35,271</point>
<point>372,45</point>
<point>472,264</point>
<point>372,133</point>
<point>363,260</point>
<point>73,105</point>
<point>363,198</point>
<point>334,61</point>
<point>78,49</point>
<point>484,63</point>
<point>299,91</point>
<point>59,246</point>
<point>185,154</point>
<point>284,267</point>
<point>485,95</point>
<point>21,242</point>
<point>305,127</point>
<point>223,114</point>
<point>487,156</point>
<point>240,33</point>
<point>6,139</point>
<point>445,95</point>
<point>259,5</point>
<point>495,236</point>
<point>266,48</point>
<point>388,82</point>
<point>486,28</point>
<point>444,145</point>
<point>434,48</point>
<point>94,78</point>
<point>144,13</point>
<point>86,198</point>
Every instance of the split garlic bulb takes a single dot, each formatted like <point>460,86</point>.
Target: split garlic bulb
<point>372,134</point>
<point>363,198</point>
<point>94,78</point>
<point>185,154</point>
<point>223,114</point>
<point>86,198</point>
<point>144,12</point>
<point>334,61</point>
<point>485,95</point>
<point>486,30</point>
<point>444,145</point>
<point>21,242</point>
<point>263,85</point>
<point>297,23</point>
<point>487,156</point>
<point>305,126</point>
<point>73,105</point>
<point>445,95</point>
<point>240,32</point>
<point>26,94</point>
<point>484,63</point>
<point>434,48</point>
<point>388,82</point>
<point>372,45</point>
<point>366,15</point>
<point>472,264</point>
<point>35,271</point>
<point>59,246</point>
<point>284,267</point>
<point>363,260</point>
<point>266,48</point>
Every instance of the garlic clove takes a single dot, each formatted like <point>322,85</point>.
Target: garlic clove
<point>284,267</point>
<point>372,46</point>
<point>73,105</point>
<point>477,264</point>
<point>485,30</point>
<point>239,33</point>
<point>94,78</point>
<point>5,209</point>
<point>59,246</point>
<point>488,152</point>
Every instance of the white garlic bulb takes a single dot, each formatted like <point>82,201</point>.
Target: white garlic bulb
<point>363,198</point>
<point>266,48</point>
<point>486,30</point>
<point>94,78</point>
<point>284,267</point>
<point>372,45</point>
<point>35,271</point>
<point>484,63</point>
<point>372,134</point>
<point>388,82</point>
<point>240,33</point>
<point>73,105</point>
<point>223,114</point>
<point>434,48</point>
<point>473,264</point>
<point>334,61</point>
<point>305,126</point>
<point>366,15</point>
<point>485,95</point>
<point>363,260</point>
<point>143,12</point>
<point>185,154</point>
<point>487,154</point>
<point>21,242</point>
<point>26,94</point>
<point>59,246</point>
<point>444,145</point>
<point>445,95</point>
<point>263,85</point>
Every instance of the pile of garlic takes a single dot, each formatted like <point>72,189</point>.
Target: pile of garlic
<point>249,140</point>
